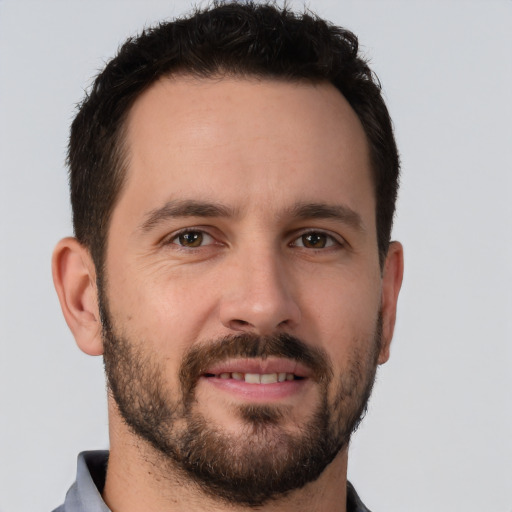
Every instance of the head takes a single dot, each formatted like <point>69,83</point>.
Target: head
<point>231,39</point>
<point>233,180</point>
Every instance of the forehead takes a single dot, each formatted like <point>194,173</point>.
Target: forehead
<point>245,141</point>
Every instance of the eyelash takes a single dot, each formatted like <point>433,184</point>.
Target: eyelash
<point>188,231</point>
<point>330,240</point>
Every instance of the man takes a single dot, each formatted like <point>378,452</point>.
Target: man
<point>233,181</point>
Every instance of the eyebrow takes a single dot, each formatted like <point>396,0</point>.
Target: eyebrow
<point>338,212</point>
<point>184,208</point>
<point>193,208</point>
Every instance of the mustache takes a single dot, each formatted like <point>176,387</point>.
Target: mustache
<point>248,345</point>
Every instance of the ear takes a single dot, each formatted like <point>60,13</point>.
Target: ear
<point>391,283</point>
<point>74,277</point>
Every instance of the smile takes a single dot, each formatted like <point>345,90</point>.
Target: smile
<point>259,380</point>
<point>256,378</point>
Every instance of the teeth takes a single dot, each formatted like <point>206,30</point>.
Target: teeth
<point>269,378</point>
<point>252,378</point>
<point>257,378</point>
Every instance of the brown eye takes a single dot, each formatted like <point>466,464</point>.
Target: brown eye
<point>314,240</point>
<point>190,239</point>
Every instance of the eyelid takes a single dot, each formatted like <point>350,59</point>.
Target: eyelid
<point>337,239</point>
<point>170,239</point>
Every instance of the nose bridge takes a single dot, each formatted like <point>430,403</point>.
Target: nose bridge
<point>259,294</point>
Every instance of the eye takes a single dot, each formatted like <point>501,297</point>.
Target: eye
<point>315,240</point>
<point>192,239</point>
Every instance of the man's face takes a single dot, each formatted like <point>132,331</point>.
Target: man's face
<point>242,290</point>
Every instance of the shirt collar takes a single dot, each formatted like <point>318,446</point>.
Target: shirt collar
<point>354,503</point>
<point>85,494</point>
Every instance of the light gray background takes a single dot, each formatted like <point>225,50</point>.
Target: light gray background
<point>438,433</point>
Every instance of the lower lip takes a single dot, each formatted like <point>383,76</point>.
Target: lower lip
<point>257,392</point>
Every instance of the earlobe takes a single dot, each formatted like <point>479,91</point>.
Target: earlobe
<point>391,283</point>
<point>74,278</point>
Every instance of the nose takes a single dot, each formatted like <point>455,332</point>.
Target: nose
<point>258,296</point>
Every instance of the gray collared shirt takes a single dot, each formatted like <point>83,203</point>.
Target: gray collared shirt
<point>85,494</point>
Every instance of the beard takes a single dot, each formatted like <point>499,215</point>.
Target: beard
<point>265,460</point>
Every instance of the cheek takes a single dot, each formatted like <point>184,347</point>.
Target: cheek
<point>168,312</point>
<point>343,316</point>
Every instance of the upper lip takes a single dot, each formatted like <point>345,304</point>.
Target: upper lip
<point>260,366</point>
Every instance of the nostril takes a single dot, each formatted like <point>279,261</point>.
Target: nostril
<point>236,323</point>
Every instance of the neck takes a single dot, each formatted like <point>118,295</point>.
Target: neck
<point>138,479</point>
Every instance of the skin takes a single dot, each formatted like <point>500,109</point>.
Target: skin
<point>258,148</point>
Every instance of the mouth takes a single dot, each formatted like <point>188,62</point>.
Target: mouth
<point>256,378</point>
<point>260,380</point>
